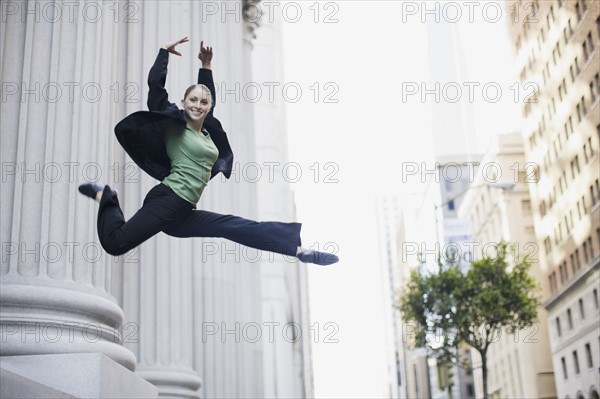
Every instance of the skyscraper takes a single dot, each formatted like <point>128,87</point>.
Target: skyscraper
<point>556,44</point>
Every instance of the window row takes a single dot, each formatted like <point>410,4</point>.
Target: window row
<point>587,50</point>
<point>568,222</point>
<point>561,185</point>
<point>581,8</point>
<point>582,314</point>
<point>554,150</point>
<point>574,260</point>
<point>563,89</point>
<point>575,357</point>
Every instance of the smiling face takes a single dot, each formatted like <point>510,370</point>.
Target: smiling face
<point>196,103</point>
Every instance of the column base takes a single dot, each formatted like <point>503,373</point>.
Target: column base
<point>80,375</point>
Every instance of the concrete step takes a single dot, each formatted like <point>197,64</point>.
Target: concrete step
<point>15,386</point>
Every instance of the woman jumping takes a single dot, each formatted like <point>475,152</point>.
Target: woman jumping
<point>184,149</point>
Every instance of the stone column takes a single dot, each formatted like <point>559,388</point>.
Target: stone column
<point>286,358</point>
<point>59,70</point>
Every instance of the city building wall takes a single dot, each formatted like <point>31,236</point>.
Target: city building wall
<point>519,365</point>
<point>560,54</point>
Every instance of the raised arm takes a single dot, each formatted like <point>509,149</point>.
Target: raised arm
<point>158,98</point>
<point>205,73</point>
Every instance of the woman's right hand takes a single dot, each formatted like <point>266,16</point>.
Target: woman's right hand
<point>170,47</point>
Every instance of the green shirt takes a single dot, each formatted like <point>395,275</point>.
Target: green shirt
<point>192,157</point>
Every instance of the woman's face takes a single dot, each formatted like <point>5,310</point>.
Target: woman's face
<point>196,104</point>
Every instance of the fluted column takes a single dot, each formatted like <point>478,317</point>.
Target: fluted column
<point>286,360</point>
<point>58,71</point>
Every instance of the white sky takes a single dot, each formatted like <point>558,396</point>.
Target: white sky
<point>368,54</point>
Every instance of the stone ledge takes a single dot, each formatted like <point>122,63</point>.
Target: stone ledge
<point>80,375</point>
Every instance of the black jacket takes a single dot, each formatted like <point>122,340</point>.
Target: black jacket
<point>141,134</point>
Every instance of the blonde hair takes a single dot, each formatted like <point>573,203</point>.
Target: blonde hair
<point>201,86</point>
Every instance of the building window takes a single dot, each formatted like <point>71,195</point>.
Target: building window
<point>564,367</point>
<point>543,208</point>
<point>588,355</point>
<point>580,9</point>
<point>581,109</point>
<point>575,167</point>
<point>588,150</point>
<point>571,218</point>
<point>569,319</point>
<point>564,272</point>
<point>547,245</point>
<point>581,309</point>
<point>585,252</point>
<point>592,195</point>
<point>590,248</point>
<point>555,54</point>
<point>553,285</point>
<point>595,89</point>
<point>595,296</point>
<point>558,330</point>
<point>590,43</point>
<point>577,259</point>
<point>576,362</point>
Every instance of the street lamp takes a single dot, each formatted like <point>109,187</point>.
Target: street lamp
<point>504,186</point>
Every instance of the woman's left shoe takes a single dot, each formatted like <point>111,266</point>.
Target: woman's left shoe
<point>90,189</point>
<point>318,258</point>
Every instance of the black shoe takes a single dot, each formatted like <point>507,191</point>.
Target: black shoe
<point>318,258</point>
<point>91,189</point>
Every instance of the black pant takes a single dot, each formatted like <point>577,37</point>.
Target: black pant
<point>165,211</point>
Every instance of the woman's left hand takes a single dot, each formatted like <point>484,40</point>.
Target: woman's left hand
<point>205,55</point>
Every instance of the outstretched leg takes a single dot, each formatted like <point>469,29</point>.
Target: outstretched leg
<point>161,208</point>
<point>278,237</point>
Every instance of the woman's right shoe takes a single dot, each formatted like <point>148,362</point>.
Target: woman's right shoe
<point>91,189</point>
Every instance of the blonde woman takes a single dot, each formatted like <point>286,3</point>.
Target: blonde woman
<point>184,148</point>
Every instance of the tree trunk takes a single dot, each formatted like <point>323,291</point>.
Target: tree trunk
<point>484,371</point>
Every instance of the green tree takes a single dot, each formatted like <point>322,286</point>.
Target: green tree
<point>472,306</point>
